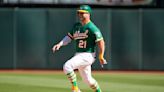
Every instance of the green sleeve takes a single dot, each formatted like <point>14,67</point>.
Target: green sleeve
<point>97,34</point>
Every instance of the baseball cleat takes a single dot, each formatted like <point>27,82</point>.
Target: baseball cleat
<point>76,91</point>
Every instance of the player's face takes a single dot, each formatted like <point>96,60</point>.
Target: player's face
<point>82,16</point>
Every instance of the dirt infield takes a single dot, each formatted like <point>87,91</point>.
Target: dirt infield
<point>24,71</point>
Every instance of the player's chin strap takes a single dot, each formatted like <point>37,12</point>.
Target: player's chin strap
<point>65,41</point>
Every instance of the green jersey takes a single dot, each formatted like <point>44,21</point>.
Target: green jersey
<point>85,36</point>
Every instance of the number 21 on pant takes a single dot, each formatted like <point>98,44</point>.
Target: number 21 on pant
<point>82,44</point>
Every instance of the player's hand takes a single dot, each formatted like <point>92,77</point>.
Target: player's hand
<point>56,47</point>
<point>102,60</point>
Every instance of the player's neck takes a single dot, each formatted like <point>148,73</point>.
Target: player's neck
<point>84,22</point>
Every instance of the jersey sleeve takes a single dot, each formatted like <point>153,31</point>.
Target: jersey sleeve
<point>97,34</point>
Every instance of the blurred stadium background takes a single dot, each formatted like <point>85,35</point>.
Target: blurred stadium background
<point>133,32</point>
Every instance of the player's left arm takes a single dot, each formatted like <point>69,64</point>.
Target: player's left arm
<point>101,45</point>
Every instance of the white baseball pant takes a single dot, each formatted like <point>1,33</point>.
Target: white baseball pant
<point>82,62</point>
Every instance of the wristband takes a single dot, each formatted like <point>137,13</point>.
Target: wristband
<point>101,56</point>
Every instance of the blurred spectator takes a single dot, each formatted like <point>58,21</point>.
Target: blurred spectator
<point>121,1</point>
<point>10,1</point>
<point>77,1</point>
<point>124,2</point>
<point>36,1</point>
<point>30,1</point>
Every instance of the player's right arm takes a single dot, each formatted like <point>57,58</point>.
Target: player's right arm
<point>63,42</point>
<point>67,39</point>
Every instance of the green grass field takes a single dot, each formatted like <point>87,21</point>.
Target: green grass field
<point>57,82</point>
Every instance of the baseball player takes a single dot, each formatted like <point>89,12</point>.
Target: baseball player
<point>86,35</point>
